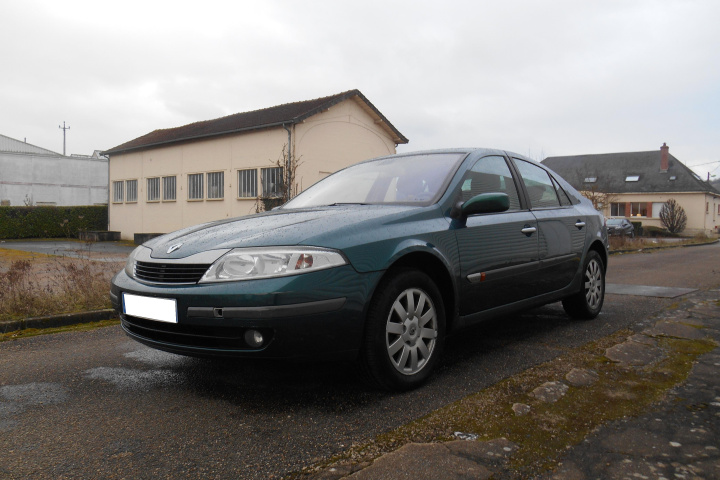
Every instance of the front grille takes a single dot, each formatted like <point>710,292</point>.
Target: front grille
<point>170,272</point>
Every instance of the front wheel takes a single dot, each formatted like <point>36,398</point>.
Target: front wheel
<point>405,331</point>
<point>587,303</point>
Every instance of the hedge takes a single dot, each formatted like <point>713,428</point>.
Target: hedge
<point>51,222</point>
<point>659,232</point>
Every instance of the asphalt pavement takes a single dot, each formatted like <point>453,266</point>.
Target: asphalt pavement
<point>98,405</point>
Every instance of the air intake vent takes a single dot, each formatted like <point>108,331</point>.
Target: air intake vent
<point>170,272</point>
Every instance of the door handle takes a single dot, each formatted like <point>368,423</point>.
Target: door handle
<point>528,230</point>
<point>579,224</point>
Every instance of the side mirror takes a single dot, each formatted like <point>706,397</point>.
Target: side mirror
<point>483,203</point>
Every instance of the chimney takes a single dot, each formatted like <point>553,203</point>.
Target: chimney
<point>664,157</point>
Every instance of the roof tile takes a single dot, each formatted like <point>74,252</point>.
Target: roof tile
<point>267,117</point>
<point>612,170</point>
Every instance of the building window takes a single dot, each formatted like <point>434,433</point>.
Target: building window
<point>637,209</point>
<point>590,180</point>
<point>169,189</point>
<point>131,190</point>
<point>118,189</point>
<point>247,183</point>
<point>656,207</point>
<point>272,181</point>
<point>216,185</point>
<point>153,189</point>
<point>195,186</point>
<point>632,178</point>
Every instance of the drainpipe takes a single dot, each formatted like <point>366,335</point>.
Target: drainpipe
<point>289,159</point>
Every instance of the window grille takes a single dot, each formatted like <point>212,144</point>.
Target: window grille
<point>272,181</point>
<point>118,189</point>
<point>169,188</point>
<point>195,186</point>
<point>153,189</point>
<point>216,184</point>
<point>131,190</point>
<point>247,183</point>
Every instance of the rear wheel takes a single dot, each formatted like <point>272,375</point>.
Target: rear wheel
<point>405,332</point>
<point>587,303</point>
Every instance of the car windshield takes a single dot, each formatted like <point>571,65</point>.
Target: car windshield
<point>406,179</point>
<point>614,221</point>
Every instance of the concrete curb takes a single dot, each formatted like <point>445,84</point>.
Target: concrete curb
<point>55,321</point>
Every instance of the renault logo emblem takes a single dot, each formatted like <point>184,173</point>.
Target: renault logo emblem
<point>174,247</point>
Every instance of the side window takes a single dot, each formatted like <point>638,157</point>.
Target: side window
<point>562,195</point>
<point>490,175</point>
<point>538,184</point>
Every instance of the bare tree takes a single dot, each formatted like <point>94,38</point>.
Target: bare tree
<point>599,199</point>
<point>673,216</point>
<point>286,187</point>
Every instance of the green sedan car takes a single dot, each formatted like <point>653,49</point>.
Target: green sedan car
<point>376,263</point>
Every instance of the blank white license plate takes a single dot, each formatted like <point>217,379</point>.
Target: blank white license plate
<point>151,308</point>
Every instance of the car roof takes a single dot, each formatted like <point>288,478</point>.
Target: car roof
<point>478,151</point>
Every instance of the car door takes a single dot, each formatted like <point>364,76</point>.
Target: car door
<point>561,227</point>
<point>498,251</point>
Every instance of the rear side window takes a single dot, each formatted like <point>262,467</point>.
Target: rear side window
<point>562,195</point>
<point>538,184</point>
<point>490,175</point>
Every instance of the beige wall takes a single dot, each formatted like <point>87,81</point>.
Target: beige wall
<point>701,209</point>
<point>341,136</point>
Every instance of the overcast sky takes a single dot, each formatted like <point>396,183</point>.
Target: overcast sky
<point>538,78</point>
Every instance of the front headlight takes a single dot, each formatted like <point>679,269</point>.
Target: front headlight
<point>270,262</point>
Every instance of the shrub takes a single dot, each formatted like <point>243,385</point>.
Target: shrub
<point>658,232</point>
<point>51,222</point>
<point>673,216</point>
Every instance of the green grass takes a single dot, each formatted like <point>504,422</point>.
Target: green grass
<point>33,332</point>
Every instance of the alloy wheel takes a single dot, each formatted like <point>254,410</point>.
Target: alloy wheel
<point>593,284</point>
<point>411,331</point>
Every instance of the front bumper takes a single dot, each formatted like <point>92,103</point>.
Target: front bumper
<point>318,314</point>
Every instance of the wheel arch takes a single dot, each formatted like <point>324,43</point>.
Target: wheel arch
<point>598,247</point>
<point>439,273</point>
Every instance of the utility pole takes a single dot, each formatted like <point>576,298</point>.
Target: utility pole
<point>63,129</point>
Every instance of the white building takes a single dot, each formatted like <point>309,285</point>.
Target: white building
<point>215,169</point>
<point>31,175</point>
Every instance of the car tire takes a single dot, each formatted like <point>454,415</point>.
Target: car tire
<point>405,332</point>
<point>587,303</point>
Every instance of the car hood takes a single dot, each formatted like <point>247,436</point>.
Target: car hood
<point>322,226</point>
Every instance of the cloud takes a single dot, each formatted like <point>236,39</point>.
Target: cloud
<point>562,77</point>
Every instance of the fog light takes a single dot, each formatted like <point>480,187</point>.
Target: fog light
<point>254,338</point>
